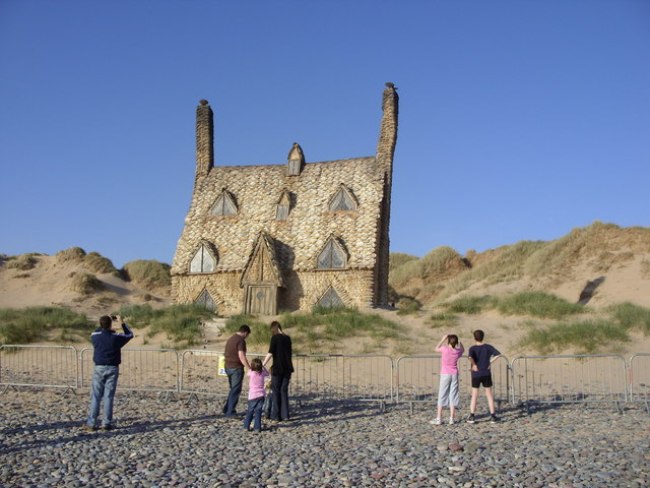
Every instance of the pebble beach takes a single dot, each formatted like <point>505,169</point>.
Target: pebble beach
<point>181,442</point>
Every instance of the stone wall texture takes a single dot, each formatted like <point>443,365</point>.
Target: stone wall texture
<point>298,240</point>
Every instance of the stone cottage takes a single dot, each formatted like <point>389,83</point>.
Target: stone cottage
<point>284,237</point>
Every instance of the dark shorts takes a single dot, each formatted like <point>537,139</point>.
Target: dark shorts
<point>486,381</point>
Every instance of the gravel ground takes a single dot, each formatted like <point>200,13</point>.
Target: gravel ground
<point>182,443</point>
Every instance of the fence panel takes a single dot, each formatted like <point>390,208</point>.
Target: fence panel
<point>342,378</point>
<point>199,374</point>
<point>418,379</point>
<point>141,369</point>
<point>569,379</point>
<point>640,377</point>
<point>43,366</point>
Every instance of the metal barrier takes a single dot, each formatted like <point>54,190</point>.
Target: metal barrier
<point>154,370</point>
<point>199,374</point>
<point>418,379</point>
<point>639,378</point>
<point>569,379</point>
<point>39,366</point>
<point>342,378</point>
<point>356,378</point>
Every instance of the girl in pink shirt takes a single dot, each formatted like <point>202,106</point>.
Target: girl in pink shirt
<point>256,377</point>
<point>448,393</point>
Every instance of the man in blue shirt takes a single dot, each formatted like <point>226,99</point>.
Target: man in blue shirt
<point>481,356</point>
<point>107,357</point>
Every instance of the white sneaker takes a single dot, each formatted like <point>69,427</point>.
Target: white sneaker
<point>435,421</point>
<point>451,421</point>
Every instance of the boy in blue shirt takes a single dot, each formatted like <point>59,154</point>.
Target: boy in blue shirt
<point>481,356</point>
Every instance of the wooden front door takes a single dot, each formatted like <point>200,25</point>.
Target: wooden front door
<point>261,300</point>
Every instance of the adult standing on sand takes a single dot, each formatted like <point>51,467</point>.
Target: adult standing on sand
<point>280,350</point>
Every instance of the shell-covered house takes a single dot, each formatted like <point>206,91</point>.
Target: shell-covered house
<point>284,237</point>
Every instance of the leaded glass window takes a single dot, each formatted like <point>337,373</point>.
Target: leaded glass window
<point>224,205</point>
<point>342,200</point>
<point>203,261</point>
<point>332,256</point>
<point>330,299</point>
<point>205,299</point>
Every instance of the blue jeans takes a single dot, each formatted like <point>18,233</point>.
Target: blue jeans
<point>254,412</point>
<point>235,380</point>
<point>280,405</point>
<point>104,386</point>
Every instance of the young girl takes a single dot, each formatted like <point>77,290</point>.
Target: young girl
<point>256,377</point>
<point>448,392</point>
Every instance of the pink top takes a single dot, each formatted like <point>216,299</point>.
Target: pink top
<point>256,384</point>
<point>449,358</point>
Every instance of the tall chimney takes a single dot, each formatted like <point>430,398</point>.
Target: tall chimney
<point>204,139</point>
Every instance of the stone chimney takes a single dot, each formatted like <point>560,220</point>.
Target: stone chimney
<point>385,152</point>
<point>388,130</point>
<point>204,139</point>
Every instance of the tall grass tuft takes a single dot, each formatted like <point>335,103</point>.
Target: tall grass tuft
<point>23,326</point>
<point>408,305</point>
<point>85,283</point>
<point>181,323</point>
<point>537,304</point>
<point>586,337</point>
<point>97,263</point>
<point>470,304</point>
<point>148,273</point>
<point>631,317</point>
<point>260,332</point>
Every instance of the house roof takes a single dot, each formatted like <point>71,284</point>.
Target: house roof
<point>299,239</point>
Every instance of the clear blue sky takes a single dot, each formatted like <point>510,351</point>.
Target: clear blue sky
<point>519,120</point>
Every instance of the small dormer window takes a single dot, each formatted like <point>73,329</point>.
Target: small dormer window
<point>283,207</point>
<point>224,205</point>
<point>204,261</point>
<point>332,256</point>
<point>342,200</point>
<point>330,299</point>
<point>296,160</point>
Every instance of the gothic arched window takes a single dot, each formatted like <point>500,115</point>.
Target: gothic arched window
<point>332,256</point>
<point>330,299</point>
<point>342,200</point>
<point>224,205</point>
<point>204,261</point>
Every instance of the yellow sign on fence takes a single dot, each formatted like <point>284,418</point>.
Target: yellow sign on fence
<point>221,369</point>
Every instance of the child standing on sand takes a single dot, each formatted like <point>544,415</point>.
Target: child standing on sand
<point>448,391</point>
<point>256,377</point>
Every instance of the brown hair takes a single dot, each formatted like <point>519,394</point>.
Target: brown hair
<point>276,328</point>
<point>256,364</point>
<point>479,335</point>
<point>452,339</point>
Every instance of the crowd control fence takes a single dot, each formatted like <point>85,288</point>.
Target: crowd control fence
<point>639,379</point>
<point>410,380</point>
<point>39,366</point>
<point>569,379</point>
<point>418,379</point>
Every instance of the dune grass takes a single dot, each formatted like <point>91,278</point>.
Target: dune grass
<point>32,324</point>
<point>470,304</point>
<point>631,317</point>
<point>148,273</point>
<point>181,323</point>
<point>408,305</point>
<point>320,331</point>
<point>443,319</point>
<point>537,304</point>
<point>586,337</point>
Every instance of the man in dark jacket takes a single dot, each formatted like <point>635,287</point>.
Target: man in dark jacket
<point>107,357</point>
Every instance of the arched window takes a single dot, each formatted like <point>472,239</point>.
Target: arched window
<point>342,200</point>
<point>224,205</point>
<point>330,299</point>
<point>283,207</point>
<point>205,300</point>
<point>332,256</point>
<point>204,261</point>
